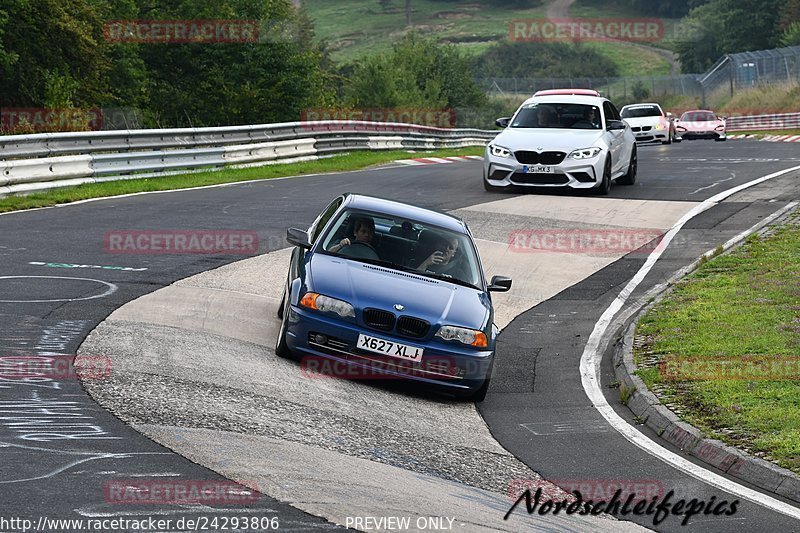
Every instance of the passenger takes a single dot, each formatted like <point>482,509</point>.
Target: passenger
<point>363,231</point>
<point>546,118</point>
<point>442,261</point>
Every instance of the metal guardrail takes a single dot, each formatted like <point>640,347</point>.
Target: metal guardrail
<point>48,160</point>
<point>782,121</point>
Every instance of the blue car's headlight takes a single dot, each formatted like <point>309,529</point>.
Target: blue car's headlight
<point>499,151</point>
<point>585,153</point>
<point>326,304</point>
<point>464,335</point>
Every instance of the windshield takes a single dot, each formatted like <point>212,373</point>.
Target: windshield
<point>403,244</point>
<point>555,115</point>
<point>641,111</point>
<point>698,117</point>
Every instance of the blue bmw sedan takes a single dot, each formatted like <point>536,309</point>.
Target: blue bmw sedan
<point>391,291</point>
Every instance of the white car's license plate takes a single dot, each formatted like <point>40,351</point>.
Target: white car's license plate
<point>392,349</point>
<point>537,169</point>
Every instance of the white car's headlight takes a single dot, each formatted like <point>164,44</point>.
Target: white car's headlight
<point>499,151</point>
<point>586,153</point>
<point>326,304</point>
<point>660,126</point>
<point>463,335</point>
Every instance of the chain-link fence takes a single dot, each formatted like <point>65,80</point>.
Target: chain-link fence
<point>734,72</point>
<point>731,73</point>
<point>620,88</point>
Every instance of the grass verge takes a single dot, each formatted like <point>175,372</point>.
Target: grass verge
<point>723,349</point>
<point>766,132</point>
<point>339,163</point>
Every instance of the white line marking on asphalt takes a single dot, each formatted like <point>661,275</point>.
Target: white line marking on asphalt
<point>733,175</point>
<point>591,359</point>
<point>110,290</point>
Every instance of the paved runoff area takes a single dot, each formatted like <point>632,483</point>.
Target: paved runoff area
<point>194,369</point>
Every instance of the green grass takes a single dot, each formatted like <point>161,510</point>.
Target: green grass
<point>733,308</point>
<point>766,132</point>
<point>632,60</point>
<point>339,163</point>
<point>354,28</point>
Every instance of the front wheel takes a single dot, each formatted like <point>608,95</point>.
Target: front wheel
<point>630,177</point>
<point>480,394</point>
<point>605,185</point>
<point>281,348</point>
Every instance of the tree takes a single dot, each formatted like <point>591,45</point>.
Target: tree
<point>52,38</point>
<point>729,26</point>
<point>417,72</point>
<point>543,60</point>
<point>204,84</point>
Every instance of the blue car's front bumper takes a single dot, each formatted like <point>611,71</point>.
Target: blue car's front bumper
<point>446,365</point>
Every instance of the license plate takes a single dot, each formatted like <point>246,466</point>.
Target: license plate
<point>392,349</point>
<point>537,169</point>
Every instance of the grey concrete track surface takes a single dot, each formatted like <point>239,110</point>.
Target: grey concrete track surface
<point>269,207</point>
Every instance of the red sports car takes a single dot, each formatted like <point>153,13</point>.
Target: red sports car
<point>700,124</point>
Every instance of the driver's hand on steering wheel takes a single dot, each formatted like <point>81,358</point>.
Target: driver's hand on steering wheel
<point>344,242</point>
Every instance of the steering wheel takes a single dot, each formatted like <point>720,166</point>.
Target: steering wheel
<point>360,250</point>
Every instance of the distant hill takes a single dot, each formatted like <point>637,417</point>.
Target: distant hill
<point>354,28</point>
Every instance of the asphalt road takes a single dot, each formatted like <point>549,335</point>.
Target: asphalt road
<point>61,449</point>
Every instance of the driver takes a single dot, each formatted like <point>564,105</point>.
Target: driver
<point>363,230</point>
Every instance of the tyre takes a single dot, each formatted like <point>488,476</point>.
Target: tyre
<point>633,167</point>
<point>281,348</point>
<point>605,186</point>
<point>280,307</point>
<point>480,394</point>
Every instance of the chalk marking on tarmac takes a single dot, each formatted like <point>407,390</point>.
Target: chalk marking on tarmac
<point>591,359</point>
<point>78,265</point>
<point>109,291</point>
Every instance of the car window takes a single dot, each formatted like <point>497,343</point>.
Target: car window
<point>557,115</point>
<point>698,117</point>
<point>322,220</point>
<point>609,112</point>
<point>640,111</point>
<point>405,245</point>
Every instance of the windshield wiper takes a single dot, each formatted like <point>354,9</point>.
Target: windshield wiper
<point>445,277</point>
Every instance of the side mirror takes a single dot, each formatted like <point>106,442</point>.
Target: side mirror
<point>670,115</point>
<point>499,284</point>
<point>615,125</point>
<point>502,122</point>
<point>298,237</point>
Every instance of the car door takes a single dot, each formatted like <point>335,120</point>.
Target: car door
<point>615,138</point>
<point>314,232</point>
